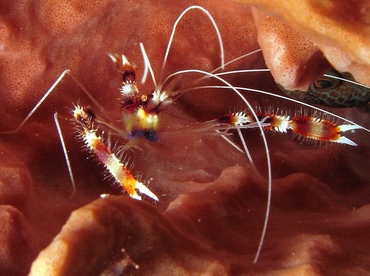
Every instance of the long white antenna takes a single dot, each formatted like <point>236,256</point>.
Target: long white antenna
<point>267,151</point>
<point>147,66</point>
<point>222,54</point>
<point>65,152</point>
<point>47,94</point>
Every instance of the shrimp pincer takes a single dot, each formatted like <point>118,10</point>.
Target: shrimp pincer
<point>105,156</point>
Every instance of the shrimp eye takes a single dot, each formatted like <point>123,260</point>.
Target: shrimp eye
<point>323,84</point>
<point>144,98</point>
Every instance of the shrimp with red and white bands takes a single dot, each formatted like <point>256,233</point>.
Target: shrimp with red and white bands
<point>141,118</point>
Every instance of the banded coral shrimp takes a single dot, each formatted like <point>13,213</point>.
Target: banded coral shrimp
<point>203,210</point>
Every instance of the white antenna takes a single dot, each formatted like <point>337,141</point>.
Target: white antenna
<point>222,54</point>
<point>147,66</point>
<point>65,152</point>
